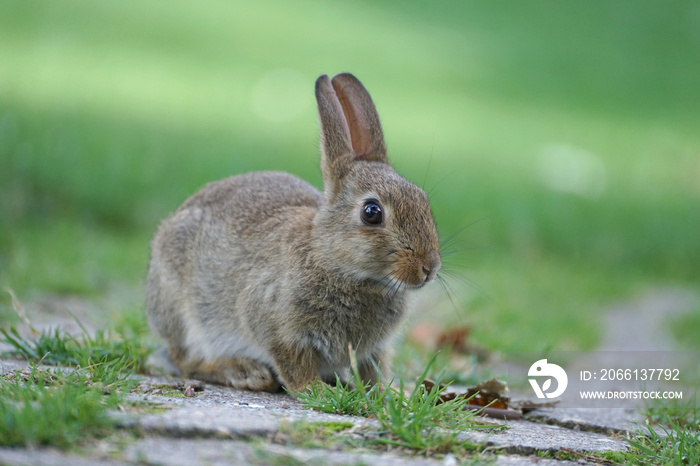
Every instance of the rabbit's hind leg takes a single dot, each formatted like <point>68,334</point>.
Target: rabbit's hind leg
<point>240,373</point>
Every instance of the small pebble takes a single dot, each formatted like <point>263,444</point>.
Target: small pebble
<point>196,385</point>
<point>189,391</point>
<point>450,460</point>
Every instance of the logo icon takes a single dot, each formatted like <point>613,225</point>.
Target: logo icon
<point>544,369</point>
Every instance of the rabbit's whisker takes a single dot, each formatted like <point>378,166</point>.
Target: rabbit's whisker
<point>451,274</point>
<point>449,291</point>
<point>453,251</point>
<point>430,160</point>
<point>454,235</point>
<point>431,191</point>
<point>399,284</point>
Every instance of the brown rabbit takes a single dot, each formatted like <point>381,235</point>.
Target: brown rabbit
<point>260,279</point>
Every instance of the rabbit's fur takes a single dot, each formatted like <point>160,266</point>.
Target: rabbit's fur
<point>260,279</point>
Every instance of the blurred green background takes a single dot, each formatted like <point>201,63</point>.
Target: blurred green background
<point>564,136</point>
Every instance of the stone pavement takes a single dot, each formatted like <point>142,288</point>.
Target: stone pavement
<point>220,425</point>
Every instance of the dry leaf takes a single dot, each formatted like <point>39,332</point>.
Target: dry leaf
<point>455,338</point>
<point>489,397</point>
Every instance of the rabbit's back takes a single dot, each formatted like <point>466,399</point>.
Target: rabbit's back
<point>208,257</point>
<point>246,202</point>
<point>237,215</point>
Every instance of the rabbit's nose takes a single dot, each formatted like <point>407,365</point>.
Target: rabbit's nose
<point>429,273</point>
<point>431,267</point>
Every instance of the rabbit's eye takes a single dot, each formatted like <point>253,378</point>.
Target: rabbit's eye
<point>372,213</point>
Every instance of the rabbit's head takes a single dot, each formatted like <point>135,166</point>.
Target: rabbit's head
<point>373,223</point>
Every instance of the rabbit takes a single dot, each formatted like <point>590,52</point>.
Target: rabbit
<point>260,280</point>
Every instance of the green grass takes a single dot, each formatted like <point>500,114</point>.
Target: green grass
<point>68,257</point>
<point>108,361</point>
<point>306,434</point>
<point>685,328</point>
<point>62,408</point>
<point>105,130</point>
<point>67,406</point>
<point>674,412</point>
<point>339,399</point>
<point>670,435</point>
<point>534,309</point>
<point>676,446</point>
<point>102,354</point>
<point>418,420</point>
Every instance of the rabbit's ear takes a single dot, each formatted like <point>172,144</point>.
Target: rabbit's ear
<point>335,133</point>
<point>350,127</point>
<point>365,129</point>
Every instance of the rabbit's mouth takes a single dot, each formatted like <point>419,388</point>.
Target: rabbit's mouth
<point>415,271</point>
<point>428,278</point>
<point>394,284</point>
<point>402,286</point>
<point>416,287</point>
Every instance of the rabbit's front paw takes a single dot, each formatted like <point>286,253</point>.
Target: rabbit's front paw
<point>240,373</point>
<point>247,374</point>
